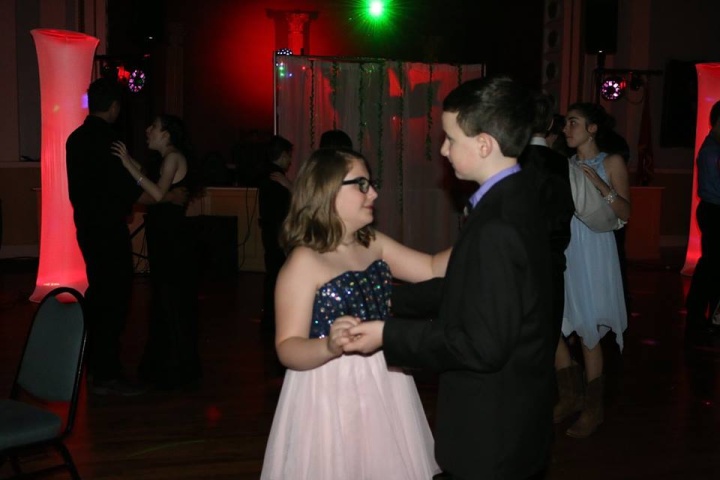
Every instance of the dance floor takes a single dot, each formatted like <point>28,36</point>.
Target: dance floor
<point>662,418</point>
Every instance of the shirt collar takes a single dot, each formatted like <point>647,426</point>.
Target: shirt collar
<point>538,141</point>
<point>477,196</point>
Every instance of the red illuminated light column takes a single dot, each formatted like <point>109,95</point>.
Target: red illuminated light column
<point>708,93</point>
<point>65,64</point>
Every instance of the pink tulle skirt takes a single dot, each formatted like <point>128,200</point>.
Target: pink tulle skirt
<point>350,419</point>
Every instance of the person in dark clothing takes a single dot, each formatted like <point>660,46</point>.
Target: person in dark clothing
<point>102,193</point>
<point>550,171</point>
<point>274,197</point>
<point>171,359</point>
<point>704,292</point>
<point>335,139</point>
<point>493,342</point>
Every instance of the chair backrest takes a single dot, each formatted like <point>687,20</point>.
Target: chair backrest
<point>52,360</point>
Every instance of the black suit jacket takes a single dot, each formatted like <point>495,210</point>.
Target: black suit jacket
<point>551,177</point>
<point>493,342</point>
<point>549,171</point>
<point>101,190</point>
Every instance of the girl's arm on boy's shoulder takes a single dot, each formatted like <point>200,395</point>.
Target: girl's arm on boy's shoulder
<point>294,296</point>
<point>411,265</point>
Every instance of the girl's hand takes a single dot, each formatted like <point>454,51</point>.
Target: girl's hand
<point>339,336</point>
<point>120,150</point>
<point>595,179</point>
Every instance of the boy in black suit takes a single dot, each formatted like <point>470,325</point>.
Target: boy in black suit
<point>494,340</point>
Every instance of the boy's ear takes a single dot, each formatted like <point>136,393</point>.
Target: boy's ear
<point>485,144</point>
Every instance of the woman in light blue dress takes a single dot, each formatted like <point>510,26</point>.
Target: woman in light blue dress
<point>594,299</point>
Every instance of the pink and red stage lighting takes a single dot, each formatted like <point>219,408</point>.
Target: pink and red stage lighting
<point>136,80</point>
<point>65,62</point>
<point>613,88</point>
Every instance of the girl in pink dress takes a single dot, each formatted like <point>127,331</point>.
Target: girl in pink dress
<point>342,416</point>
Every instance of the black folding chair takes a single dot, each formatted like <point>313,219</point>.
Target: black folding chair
<point>50,370</point>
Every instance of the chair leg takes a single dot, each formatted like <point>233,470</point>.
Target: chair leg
<point>69,463</point>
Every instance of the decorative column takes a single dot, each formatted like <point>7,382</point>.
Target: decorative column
<point>296,31</point>
<point>292,29</point>
<point>65,64</point>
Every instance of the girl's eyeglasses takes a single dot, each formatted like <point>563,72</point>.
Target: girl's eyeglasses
<point>363,184</point>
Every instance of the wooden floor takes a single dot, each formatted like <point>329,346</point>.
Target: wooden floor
<point>662,415</point>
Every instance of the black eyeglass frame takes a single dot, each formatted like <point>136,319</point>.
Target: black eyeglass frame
<point>363,184</point>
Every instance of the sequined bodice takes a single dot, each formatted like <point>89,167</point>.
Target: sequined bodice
<point>363,294</point>
<point>596,163</point>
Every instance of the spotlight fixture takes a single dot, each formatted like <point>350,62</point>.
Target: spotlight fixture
<point>612,88</point>
<point>284,51</point>
<point>136,81</point>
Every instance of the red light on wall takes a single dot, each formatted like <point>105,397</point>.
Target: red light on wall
<point>123,75</point>
<point>65,62</point>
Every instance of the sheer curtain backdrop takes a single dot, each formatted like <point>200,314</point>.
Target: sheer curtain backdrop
<point>392,111</point>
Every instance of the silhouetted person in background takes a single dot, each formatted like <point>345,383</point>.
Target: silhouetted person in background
<point>555,138</point>
<point>705,286</point>
<point>171,359</point>
<point>102,194</point>
<point>335,139</point>
<point>274,197</point>
<point>550,171</point>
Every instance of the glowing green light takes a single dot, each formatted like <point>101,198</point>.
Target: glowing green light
<point>376,16</point>
<point>377,8</point>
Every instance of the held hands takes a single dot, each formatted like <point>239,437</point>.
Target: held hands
<point>366,337</point>
<point>339,336</point>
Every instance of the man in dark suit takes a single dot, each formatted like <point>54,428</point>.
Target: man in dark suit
<point>494,340</point>
<point>102,194</point>
<point>550,170</point>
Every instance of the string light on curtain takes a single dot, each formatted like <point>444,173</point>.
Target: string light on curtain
<point>282,70</point>
<point>429,115</point>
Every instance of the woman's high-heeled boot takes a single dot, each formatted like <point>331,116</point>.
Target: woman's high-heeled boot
<point>570,392</point>
<point>593,412</point>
